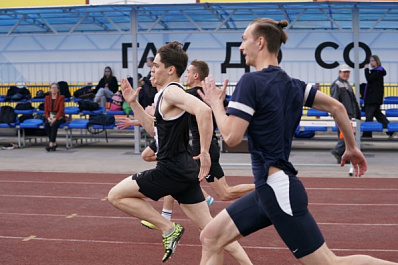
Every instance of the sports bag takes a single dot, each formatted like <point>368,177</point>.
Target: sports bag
<point>24,106</point>
<point>8,115</point>
<point>100,119</point>
<point>88,105</point>
<point>84,92</point>
<point>117,102</point>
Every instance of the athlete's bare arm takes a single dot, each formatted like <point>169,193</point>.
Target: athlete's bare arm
<point>131,96</point>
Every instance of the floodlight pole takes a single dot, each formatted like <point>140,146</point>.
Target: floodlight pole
<point>134,30</point>
<point>355,29</point>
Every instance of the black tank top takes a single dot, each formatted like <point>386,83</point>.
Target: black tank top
<point>171,134</point>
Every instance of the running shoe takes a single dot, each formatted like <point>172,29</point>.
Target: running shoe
<point>209,200</point>
<point>149,225</point>
<point>170,242</point>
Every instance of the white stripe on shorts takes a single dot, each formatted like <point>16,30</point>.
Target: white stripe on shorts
<point>279,182</point>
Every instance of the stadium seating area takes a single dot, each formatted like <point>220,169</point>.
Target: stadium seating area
<point>312,120</point>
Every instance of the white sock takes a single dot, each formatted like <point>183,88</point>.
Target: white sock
<point>208,198</point>
<point>167,213</point>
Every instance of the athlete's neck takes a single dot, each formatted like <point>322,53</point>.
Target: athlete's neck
<point>265,61</point>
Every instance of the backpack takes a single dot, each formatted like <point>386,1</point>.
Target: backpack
<point>88,105</point>
<point>64,89</point>
<point>127,108</point>
<point>40,94</point>
<point>84,92</point>
<point>24,106</point>
<point>117,102</point>
<point>100,119</point>
<point>8,115</point>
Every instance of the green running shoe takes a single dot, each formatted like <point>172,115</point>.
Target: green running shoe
<point>170,242</point>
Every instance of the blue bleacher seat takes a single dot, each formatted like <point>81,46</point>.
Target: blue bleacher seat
<point>392,127</point>
<point>31,123</point>
<point>37,100</point>
<point>91,112</point>
<point>78,124</point>
<point>72,110</point>
<point>371,126</point>
<point>391,100</point>
<point>25,111</point>
<point>115,112</point>
<point>392,113</point>
<point>2,98</point>
<point>317,113</point>
<point>40,112</point>
<point>315,128</point>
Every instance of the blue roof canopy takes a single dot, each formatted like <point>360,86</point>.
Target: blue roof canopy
<point>197,18</point>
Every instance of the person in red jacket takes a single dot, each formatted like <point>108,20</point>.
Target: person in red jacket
<point>54,110</point>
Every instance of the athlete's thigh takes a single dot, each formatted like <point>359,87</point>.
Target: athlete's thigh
<point>199,213</point>
<point>127,188</point>
<point>223,229</point>
<point>247,214</point>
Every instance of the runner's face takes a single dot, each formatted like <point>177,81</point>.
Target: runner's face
<point>248,46</point>
<point>159,72</point>
<point>189,76</point>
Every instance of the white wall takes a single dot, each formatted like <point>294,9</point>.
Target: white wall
<point>83,58</point>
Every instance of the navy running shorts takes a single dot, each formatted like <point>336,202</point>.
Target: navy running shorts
<point>281,202</point>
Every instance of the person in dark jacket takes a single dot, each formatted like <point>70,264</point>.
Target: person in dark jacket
<point>374,93</point>
<point>54,110</point>
<point>342,91</point>
<point>106,87</point>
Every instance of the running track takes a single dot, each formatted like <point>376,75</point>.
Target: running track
<point>64,218</point>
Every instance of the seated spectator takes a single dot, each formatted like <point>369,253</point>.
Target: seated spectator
<point>54,110</point>
<point>106,87</point>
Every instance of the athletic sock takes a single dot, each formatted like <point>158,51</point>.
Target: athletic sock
<point>208,198</point>
<point>167,213</point>
<point>169,232</point>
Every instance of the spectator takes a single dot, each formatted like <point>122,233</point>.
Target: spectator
<point>374,93</point>
<point>343,92</point>
<point>106,87</point>
<point>147,95</point>
<point>54,110</point>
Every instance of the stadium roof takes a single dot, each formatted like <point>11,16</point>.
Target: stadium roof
<point>197,18</point>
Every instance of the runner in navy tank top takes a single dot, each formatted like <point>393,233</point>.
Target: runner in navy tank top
<point>268,105</point>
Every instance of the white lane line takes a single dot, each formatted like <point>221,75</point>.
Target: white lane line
<point>106,183</point>
<point>49,197</point>
<point>180,244</point>
<point>224,202</point>
<point>56,182</point>
<point>180,219</point>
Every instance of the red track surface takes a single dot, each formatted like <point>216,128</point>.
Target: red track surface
<point>64,218</point>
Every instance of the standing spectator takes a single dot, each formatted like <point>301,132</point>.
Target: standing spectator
<point>106,87</point>
<point>54,110</point>
<point>343,92</point>
<point>374,93</point>
<point>147,95</point>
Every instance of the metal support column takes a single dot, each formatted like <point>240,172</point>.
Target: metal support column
<point>134,30</point>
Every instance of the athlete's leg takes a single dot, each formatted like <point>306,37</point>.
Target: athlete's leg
<point>218,234</point>
<point>126,197</point>
<point>228,193</point>
<point>324,255</point>
<point>199,214</point>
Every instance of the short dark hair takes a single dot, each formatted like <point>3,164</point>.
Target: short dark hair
<point>201,68</point>
<point>172,54</point>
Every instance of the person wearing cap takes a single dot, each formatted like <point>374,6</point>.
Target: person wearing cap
<point>343,92</point>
